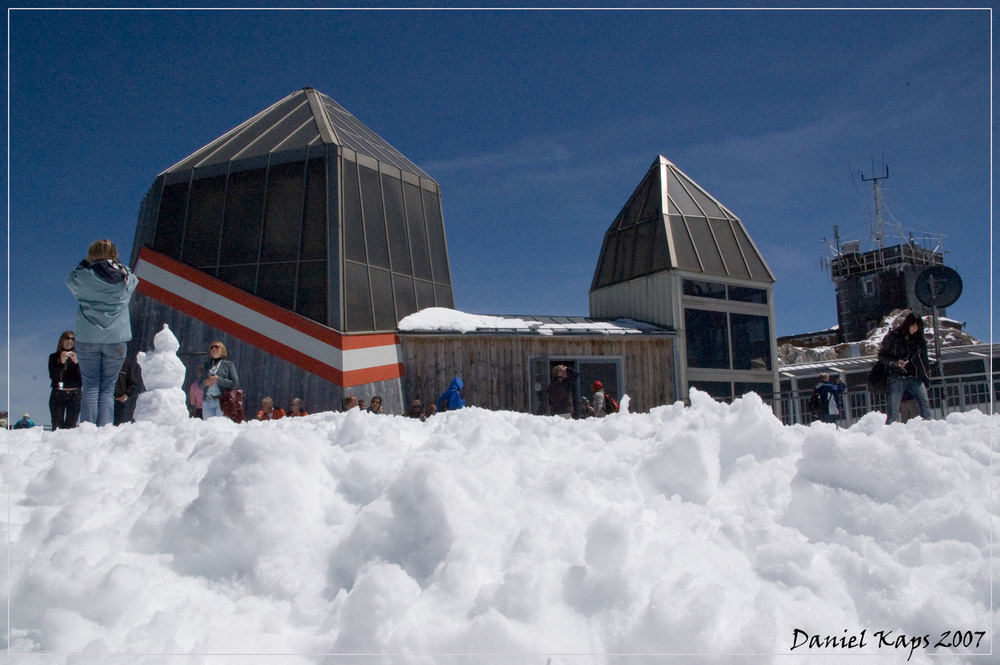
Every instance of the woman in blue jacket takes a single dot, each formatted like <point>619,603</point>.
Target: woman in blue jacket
<point>103,288</point>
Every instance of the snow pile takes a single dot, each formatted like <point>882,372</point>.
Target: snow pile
<point>708,529</point>
<point>163,374</point>
<point>443,319</point>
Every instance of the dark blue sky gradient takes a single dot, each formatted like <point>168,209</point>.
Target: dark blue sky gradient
<point>537,124</point>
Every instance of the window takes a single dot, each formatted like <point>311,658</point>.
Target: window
<point>354,228</point>
<point>418,236</point>
<point>868,286</point>
<point>244,207</point>
<point>704,289</point>
<point>399,247</point>
<point>371,202</point>
<point>170,222</point>
<point>748,294</point>
<point>707,339</point>
<point>435,236</point>
<point>283,225</point>
<point>751,342</point>
<point>201,237</point>
<point>716,389</point>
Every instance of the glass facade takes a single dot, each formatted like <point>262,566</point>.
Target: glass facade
<point>308,209</point>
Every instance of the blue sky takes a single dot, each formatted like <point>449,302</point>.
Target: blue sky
<point>537,124</point>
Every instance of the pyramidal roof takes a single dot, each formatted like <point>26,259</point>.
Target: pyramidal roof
<point>671,222</point>
<point>304,118</point>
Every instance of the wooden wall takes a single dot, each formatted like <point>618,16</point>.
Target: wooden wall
<point>496,368</point>
<point>261,374</point>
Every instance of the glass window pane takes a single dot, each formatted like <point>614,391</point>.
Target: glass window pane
<point>717,389</point>
<point>276,283</point>
<point>735,265</point>
<point>310,298</point>
<point>357,298</point>
<point>435,236</point>
<point>354,230</point>
<point>707,340</point>
<point>711,259</point>
<point>201,237</point>
<point>170,221</point>
<point>418,235</point>
<point>626,250</point>
<point>371,201</point>
<point>687,259</point>
<point>765,390</point>
<point>606,266</point>
<point>382,298</point>
<point>241,228</point>
<point>314,224</point>
<point>661,246</point>
<point>443,296</point>
<point>399,246</point>
<point>242,277</point>
<point>643,249</point>
<point>748,294</point>
<point>425,294</point>
<point>703,289</point>
<point>283,223</point>
<point>751,342</point>
<point>680,196</point>
<point>758,270</point>
<point>406,299</point>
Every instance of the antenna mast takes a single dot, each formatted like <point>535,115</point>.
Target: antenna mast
<point>879,233</point>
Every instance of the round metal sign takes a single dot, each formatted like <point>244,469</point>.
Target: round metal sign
<point>938,286</point>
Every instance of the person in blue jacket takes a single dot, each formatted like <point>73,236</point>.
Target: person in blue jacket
<point>829,393</point>
<point>103,288</point>
<point>451,399</point>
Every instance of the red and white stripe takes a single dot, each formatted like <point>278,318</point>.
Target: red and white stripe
<point>345,360</point>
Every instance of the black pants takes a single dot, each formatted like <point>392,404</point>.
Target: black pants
<point>64,406</point>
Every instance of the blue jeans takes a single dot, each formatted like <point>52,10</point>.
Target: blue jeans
<point>900,384</point>
<point>99,365</point>
<point>210,408</point>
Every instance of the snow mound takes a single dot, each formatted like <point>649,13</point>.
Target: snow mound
<point>705,529</point>
<point>163,401</point>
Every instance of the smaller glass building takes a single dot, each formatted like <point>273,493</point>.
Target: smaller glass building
<point>307,208</point>
<point>676,257</point>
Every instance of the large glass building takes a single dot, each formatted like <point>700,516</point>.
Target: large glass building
<point>299,238</point>
<point>676,257</point>
<point>307,208</point>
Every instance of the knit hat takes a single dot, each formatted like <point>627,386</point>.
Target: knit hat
<point>596,385</point>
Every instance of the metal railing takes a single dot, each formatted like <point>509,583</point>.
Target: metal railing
<point>952,394</point>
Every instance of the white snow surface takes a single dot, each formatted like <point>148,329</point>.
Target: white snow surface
<point>444,319</point>
<point>709,529</point>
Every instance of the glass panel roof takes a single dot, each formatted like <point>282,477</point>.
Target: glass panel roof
<point>305,117</point>
<point>704,235</point>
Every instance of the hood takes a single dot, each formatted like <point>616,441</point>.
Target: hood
<point>456,384</point>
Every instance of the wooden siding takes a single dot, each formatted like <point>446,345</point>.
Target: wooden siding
<point>496,368</point>
<point>261,374</point>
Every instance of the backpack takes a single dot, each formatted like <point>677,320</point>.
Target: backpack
<point>815,406</point>
<point>610,404</point>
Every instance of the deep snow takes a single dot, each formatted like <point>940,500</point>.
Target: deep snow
<point>704,529</point>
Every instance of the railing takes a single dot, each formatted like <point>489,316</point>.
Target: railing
<point>952,394</point>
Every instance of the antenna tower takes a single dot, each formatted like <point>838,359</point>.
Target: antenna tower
<point>879,233</point>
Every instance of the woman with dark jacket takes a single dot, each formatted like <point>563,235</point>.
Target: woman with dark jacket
<point>103,288</point>
<point>220,374</point>
<point>904,353</point>
<point>64,373</point>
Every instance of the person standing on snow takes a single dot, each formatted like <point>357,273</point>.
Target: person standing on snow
<point>103,288</point>
<point>451,399</point>
<point>561,391</point>
<point>64,373</point>
<point>904,352</point>
<point>829,394</point>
